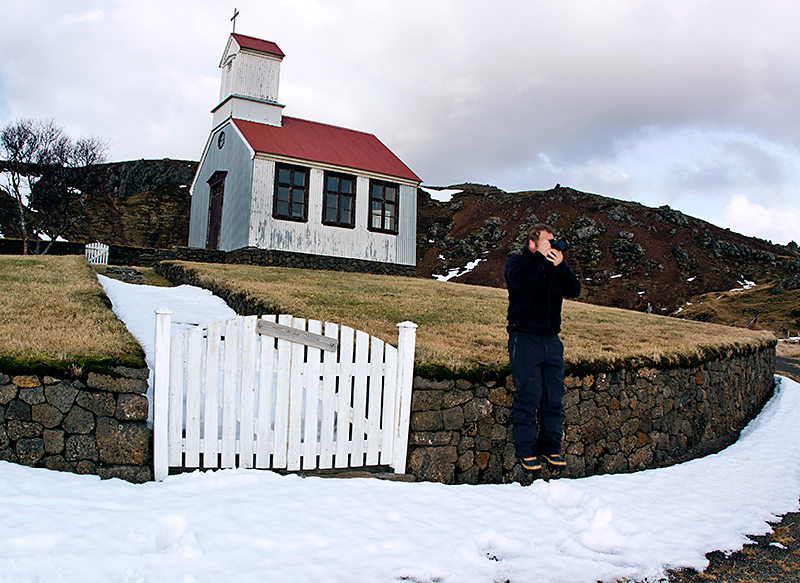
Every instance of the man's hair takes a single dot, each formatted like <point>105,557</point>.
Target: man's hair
<point>535,231</point>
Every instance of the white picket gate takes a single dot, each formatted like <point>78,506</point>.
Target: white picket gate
<point>276,392</point>
<point>97,253</point>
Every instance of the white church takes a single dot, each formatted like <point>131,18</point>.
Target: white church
<point>281,183</point>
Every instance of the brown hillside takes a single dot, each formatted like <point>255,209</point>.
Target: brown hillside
<point>626,254</point>
<point>142,203</point>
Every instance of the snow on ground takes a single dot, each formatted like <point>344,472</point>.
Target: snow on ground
<point>745,283</point>
<point>458,271</point>
<point>136,305</point>
<point>250,525</point>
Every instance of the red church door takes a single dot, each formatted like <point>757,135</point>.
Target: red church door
<point>216,192</point>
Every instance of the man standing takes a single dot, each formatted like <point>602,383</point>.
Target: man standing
<point>537,280</point>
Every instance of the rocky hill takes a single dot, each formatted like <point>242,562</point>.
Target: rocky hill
<point>141,203</point>
<point>627,255</point>
<point>144,203</point>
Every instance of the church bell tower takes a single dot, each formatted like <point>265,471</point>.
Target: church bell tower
<point>251,70</point>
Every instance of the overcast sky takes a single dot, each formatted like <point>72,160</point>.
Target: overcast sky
<point>690,103</point>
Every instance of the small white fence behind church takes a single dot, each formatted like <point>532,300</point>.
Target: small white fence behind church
<point>97,253</point>
<point>277,393</point>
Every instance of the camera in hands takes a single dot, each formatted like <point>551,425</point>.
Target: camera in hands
<point>560,244</point>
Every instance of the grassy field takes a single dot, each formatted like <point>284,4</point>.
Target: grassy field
<point>788,350</point>
<point>462,327</point>
<point>55,318</point>
<point>778,313</point>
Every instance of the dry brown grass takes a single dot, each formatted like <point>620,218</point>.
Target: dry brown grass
<point>777,312</point>
<point>788,350</point>
<point>462,327</point>
<point>54,316</point>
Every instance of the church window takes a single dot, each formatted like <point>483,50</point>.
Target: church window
<point>340,198</point>
<point>290,200</point>
<point>384,198</point>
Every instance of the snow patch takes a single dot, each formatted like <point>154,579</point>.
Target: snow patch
<point>458,272</point>
<point>254,525</point>
<point>238,525</point>
<point>745,283</point>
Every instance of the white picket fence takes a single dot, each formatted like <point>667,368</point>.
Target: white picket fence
<point>276,392</point>
<point>97,253</point>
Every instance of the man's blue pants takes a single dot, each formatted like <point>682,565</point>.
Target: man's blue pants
<point>537,367</point>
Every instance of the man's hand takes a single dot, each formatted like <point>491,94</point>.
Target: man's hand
<point>554,256</point>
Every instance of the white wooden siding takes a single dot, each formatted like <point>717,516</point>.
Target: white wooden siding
<point>261,207</point>
<point>314,237</point>
<point>255,76</point>
<point>256,111</point>
<point>225,84</point>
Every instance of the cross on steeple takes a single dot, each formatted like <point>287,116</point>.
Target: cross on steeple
<point>233,18</point>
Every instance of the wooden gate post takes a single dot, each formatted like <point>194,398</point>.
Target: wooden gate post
<point>161,393</point>
<point>406,343</point>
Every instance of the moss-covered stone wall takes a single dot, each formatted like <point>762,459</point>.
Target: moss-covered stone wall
<point>97,425</point>
<point>620,421</point>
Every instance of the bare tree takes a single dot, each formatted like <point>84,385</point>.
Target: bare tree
<point>41,163</point>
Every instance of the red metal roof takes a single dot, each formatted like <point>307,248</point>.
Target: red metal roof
<point>256,44</point>
<point>318,142</point>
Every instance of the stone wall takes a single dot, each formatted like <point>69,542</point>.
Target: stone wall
<point>14,247</point>
<point>273,258</point>
<point>94,427</point>
<point>147,257</point>
<point>616,422</point>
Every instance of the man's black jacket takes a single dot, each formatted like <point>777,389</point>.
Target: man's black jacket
<point>535,291</point>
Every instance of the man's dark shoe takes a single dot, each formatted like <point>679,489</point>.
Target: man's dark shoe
<point>555,460</point>
<point>531,463</point>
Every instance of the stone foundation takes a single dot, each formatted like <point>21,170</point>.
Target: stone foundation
<point>94,427</point>
<point>616,422</point>
<point>146,257</point>
<point>270,258</point>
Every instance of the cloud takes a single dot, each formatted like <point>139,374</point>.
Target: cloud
<point>657,101</point>
<point>777,224</point>
<point>712,163</point>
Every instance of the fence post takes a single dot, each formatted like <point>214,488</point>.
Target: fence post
<point>161,393</point>
<point>406,343</point>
